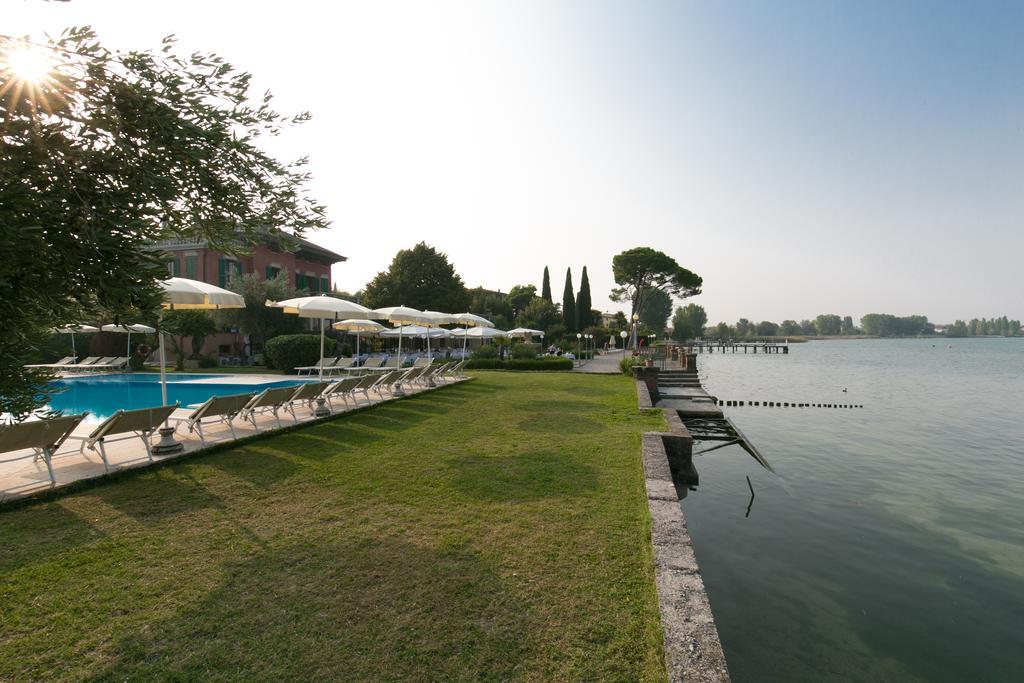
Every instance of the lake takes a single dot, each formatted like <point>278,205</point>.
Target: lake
<point>894,549</point>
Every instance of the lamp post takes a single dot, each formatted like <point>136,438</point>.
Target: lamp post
<point>590,345</point>
<point>623,336</point>
<point>636,319</point>
<point>579,342</point>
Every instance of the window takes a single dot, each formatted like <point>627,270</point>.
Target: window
<point>272,272</point>
<point>172,267</point>
<point>300,281</point>
<point>325,284</point>
<point>190,266</point>
<point>225,268</point>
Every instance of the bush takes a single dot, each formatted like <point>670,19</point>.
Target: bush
<point>626,364</point>
<point>531,365</point>
<point>208,362</point>
<point>486,352</point>
<point>525,351</point>
<point>289,351</point>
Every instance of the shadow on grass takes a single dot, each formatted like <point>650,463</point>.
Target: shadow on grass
<point>521,477</point>
<point>554,423</point>
<point>351,609</point>
<point>256,465</point>
<point>160,495</point>
<point>62,529</point>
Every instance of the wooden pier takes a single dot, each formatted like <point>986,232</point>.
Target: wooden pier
<point>737,347</point>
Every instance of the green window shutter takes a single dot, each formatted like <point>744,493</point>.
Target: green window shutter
<point>190,266</point>
<point>270,273</point>
<point>222,271</point>
<point>325,284</point>
<point>300,281</point>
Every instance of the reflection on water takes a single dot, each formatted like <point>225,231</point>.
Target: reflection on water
<point>900,553</point>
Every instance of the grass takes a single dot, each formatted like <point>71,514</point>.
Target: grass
<point>496,529</point>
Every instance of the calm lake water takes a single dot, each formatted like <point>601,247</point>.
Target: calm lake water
<point>897,552</point>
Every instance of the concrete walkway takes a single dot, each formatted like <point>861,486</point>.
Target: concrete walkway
<point>605,364</point>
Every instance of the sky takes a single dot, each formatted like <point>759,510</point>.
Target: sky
<point>803,157</point>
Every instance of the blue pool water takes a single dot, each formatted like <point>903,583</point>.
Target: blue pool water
<point>103,396</point>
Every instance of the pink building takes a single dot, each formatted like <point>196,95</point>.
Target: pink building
<point>307,264</point>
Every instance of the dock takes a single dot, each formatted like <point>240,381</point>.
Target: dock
<point>725,346</point>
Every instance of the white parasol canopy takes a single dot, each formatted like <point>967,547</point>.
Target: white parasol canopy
<point>525,332</point>
<point>418,331</point>
<point>470,320</point>
<point>323,307</point>
<point>439,319</point>
<point>182,293</point>
<point>356,327</point>
<point>400,315</point>
<point>71,329</point>
<point>137,327</point>
<point>485,333</point>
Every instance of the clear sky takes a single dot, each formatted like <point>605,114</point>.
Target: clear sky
<point>803,157</point>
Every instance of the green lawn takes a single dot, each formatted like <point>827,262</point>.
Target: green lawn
<point>496,529</point>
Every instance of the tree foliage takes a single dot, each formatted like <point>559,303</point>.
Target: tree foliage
<point>828,324</point>
<point>584,304</point>
<point>421,277</point>
<point>688,322</point>
<point>520,296</point>
<point>568,303</point>
<point>886,325</point>
<point>192,324</point>
<point>643,270</point>
<point>492,306</point>
<point>546,287</point>
<point>259,321</point>
<point>112,150</point>
<point>540,314</point>
<point>656,311</point>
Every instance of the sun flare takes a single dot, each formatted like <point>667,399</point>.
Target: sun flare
<point>27,63</point>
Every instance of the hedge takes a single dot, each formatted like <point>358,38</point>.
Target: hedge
<point>289,351</point>
<point>520,364</point>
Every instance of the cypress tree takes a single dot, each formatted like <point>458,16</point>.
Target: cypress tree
<point>583,303</point>
<point>545,292</point>
<point>568,303</point>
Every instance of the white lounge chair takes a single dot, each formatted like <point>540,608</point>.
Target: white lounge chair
<point>140,423</point>
<point>342,390</point>
<point>219,409</point>
<point>306,393</point>
<point>67,360</point>
<point>340,365</point>
<point>269,400</point>
<point>310,369</point>
<point>373,363</point>
<point>43,437</point>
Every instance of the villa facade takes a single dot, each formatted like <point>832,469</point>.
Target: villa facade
<point>308,265</point>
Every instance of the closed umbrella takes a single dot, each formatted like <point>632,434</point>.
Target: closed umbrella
<point>71,329</point>
<point>357,326</point>
<point>325,308</point>
<point>183,294</point>
<point>470,320</point>
<point>138,327</point>
<point>400,315</point>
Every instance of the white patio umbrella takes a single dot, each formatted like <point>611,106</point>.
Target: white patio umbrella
<point>438,319</point>
<point>138,328</point>
<point>71,329</point>
<point>325,308</point>
<point>183,294</point>
<point>525,333</point>
<point>470,320</point>
<point>400,315</point>
<point>357,326</point>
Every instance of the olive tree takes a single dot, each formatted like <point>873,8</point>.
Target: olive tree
<point>102,152</point>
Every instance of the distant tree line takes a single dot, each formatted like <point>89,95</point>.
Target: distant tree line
<point>981,328</point>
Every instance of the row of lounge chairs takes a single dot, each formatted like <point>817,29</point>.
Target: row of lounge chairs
<point>90,364</point>
<point>44,437</point>
<point>330,365</point>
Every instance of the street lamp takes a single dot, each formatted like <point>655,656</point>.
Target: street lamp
<point>623,335</point>
<point>636,319</point>
<point>579,348</point>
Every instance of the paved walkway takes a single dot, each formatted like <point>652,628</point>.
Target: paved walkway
<point>604,364</point>
<point>26,475</point>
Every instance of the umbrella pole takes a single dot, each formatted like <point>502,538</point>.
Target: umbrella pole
<point>321,403</point>
<point>129,350</point>
<point>465,338</point>
<point>73,352</point>
<point>357,346</point>
<point>167,445</point>
<point>399,348</point>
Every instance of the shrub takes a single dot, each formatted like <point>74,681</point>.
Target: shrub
<point>486,352</point>
<point>626,364</point>
<point>531,365</point>
<point>289,351</point>
<point>524,351</point>
<point>208,362</point>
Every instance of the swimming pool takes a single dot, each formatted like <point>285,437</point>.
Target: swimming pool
<point>104,395</point>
